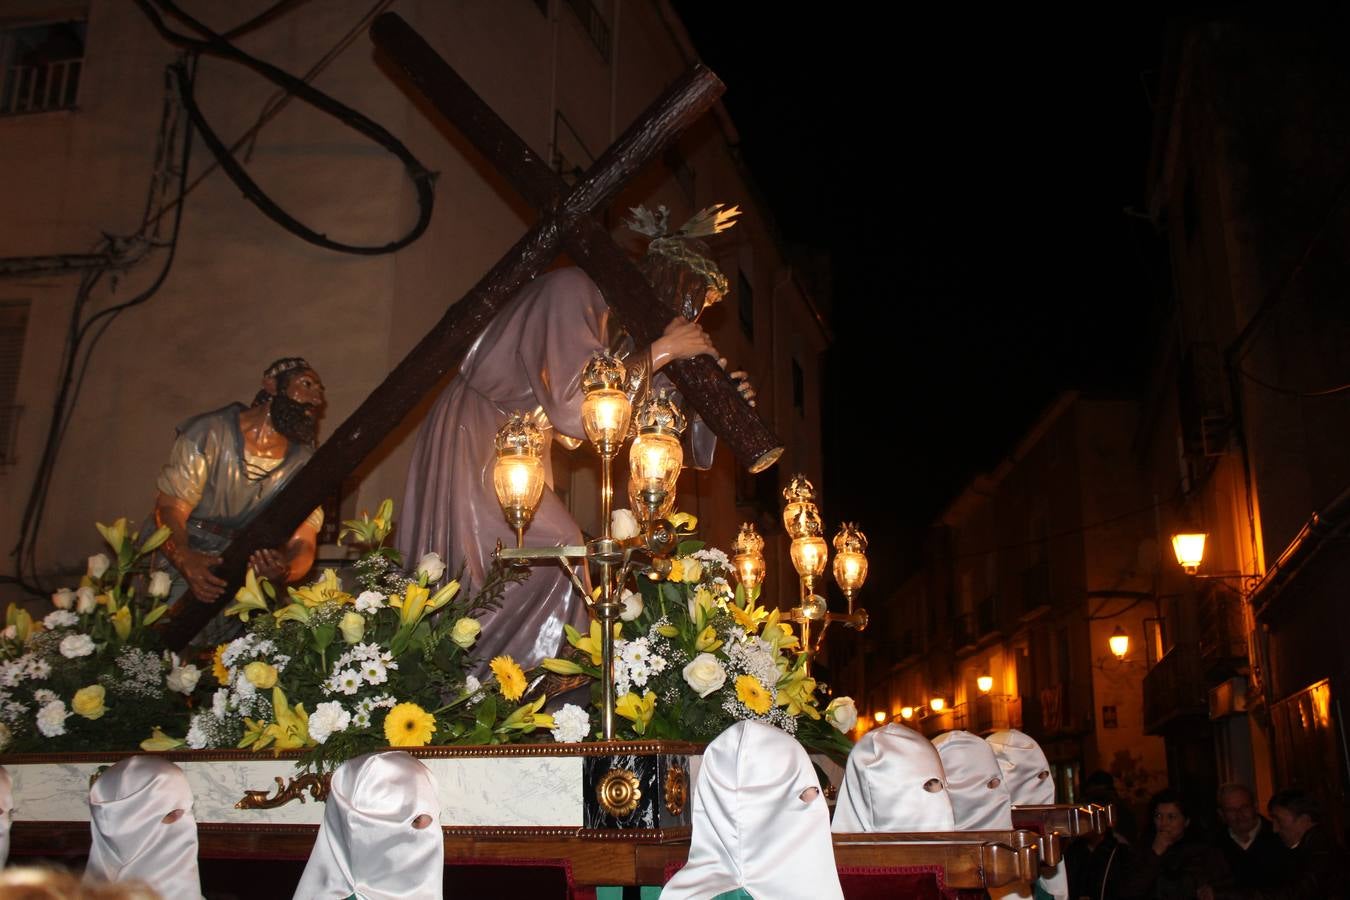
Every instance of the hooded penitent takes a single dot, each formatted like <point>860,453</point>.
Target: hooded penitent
<point>1026,773</point>
<point>894,782</point>
<point>142,829</point>
<point>6,814</point>
<point>381,835</point>
<point>752,829</point>
<point>980,802</point>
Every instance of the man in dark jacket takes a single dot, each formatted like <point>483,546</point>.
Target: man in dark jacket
<point>1256,856</point>
<point>1317,858</point>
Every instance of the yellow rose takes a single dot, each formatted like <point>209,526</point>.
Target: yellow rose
<point>353,627</point>
<point>260,674</point>
<point>465,632</point>
<point>693,570</point>
<point>88,701</point>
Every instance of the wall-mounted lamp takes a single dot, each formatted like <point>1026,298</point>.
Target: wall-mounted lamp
<point>880,716</point>
<point>985,683</point>
<point>1189,548</point>
<point>906,712</point>
<point>937,704</point>
<point>1119,642</point>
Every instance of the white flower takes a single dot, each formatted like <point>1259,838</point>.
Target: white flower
<point>471,685</point>
<point>196,737</point>
<point>326,719</point>
<point>160,583</point>
<point>623,524</point>
<point>220,703</point>
<point>43,695</point>
<point>705,674</point>
<point>38,668</point>
<point>98,564</point>
<point>60,618</point>
<point>63,599</point>
<point>465,632</point>
<point>712,555</point>
<point>74,646</point>
<point>431,566</point>
<point>570,724</point>
<point>348,681</point>
<point>374,672</point>
<point>86,601</point>
<point>183,679</point>
<point>51,719</point>
<point>632,605</point>
<point>361,719</point>
<point>367,601</point>
<point>842,713</point>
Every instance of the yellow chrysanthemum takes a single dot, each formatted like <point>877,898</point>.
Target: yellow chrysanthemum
<point>409,725</point>
<point>509,676</point>
<point>750,692</point>
<point>217,667</point>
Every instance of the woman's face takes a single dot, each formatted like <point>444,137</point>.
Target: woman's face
<point>1170,821</point>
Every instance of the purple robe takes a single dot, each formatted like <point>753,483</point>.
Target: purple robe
<point>531,355</point>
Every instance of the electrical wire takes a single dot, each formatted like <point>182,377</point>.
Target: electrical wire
<point>1311,395</point>
<point>214,45</point>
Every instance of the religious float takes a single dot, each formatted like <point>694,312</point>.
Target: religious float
<point>679,647</point>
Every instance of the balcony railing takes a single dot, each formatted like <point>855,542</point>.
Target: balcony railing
<point>1174,689</point>
<point>984,714</point>
<point>1223,640</point>
<point>31,89</point>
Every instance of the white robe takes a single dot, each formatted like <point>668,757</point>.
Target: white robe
<point>6,814</point>
<point>130,841</point>
<point>980,802</point>
<point>751,829</point>
<point>367,844</point>
<point>894,782</point>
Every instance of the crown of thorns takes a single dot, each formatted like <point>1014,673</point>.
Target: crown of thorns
<point>286,364</point>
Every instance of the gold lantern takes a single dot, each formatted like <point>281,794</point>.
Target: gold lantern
<point>748,558</point>
<point>605,414</point>
<point>656,456</point>
<point>518,475</point>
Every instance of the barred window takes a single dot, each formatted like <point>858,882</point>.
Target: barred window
<point>40,66</point>
<point>13,324</point>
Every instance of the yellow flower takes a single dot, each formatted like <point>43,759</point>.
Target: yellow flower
<point>250,598</point>
<point>526,718</point>
<point>325,590</point>
<point>667,630</point>
<point>591,643</point>
<point>88,701</point>
<point>693,571</point>
<point>707,640</point>
<point>218,667</point>
<point>121,622</point>
<point>409,725</point>
<point>797,692</point>
<point>158,741</point>
<point>637,709</point>
<point>509,677</point>
<point>290,731</point>
<point>676,572</point>
<point>562,666</point>
<point>465,632</point>
<point>260,674</point>
<point>779,634</point>
<point>411,604</point>
<point>115,534</point>
<point>253,733</point>
<point>750,692</point>
<point>353,627</point>
<point>748,618</point>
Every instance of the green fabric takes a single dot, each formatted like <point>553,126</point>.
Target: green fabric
<point>738,894</point>
<point>650,892</point>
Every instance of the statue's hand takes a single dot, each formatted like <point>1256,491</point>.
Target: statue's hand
<point>682,339</point>
<point>269,564</point>
<point>742,379</point>
<point>195,567</point>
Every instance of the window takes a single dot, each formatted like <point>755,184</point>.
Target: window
<point>13,324</point>
<point>745,304</point>
<point>594,23</point>
<point>40,67</point>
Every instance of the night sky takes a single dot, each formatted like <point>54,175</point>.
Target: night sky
<point>970,179</point>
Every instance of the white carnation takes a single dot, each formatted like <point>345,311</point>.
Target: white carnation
<point>570,724</point>
<point>51,719</point>
<point>326,719</point>
<point>368,601</point>
<point>60,618</point>
<point>220,703</point>
<point>74,646</point>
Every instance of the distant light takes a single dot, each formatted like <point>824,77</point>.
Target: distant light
<point>937,704</point>
<point>1190,550</point>
<point>879,716</point>
<point>1120,642</point>
<point>985,683</point>
<point>906,712</point>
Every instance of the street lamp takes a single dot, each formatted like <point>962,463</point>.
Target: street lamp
<point>906,712</point>
<point>985,683</point>
<point>1189,548</point>
<point>937,704</point>
<point>880,716</point>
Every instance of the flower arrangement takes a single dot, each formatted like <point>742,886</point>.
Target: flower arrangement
<point>337,674</point>
<point>92,674</point>
<point>693,655</point>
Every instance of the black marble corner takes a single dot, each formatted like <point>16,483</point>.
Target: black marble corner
<point>663,783</point>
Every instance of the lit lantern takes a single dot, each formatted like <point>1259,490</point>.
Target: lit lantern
<point>1119,642</point>
<point>801,517</point>
<point>850,559</point>
<point>985,683</point>
<point>656,456</point>
<point>1190,550</point>
<point>518,475</point>
<point>809,555</point>
<point>906,712</point>
<point>748,558</point>
<point>605,408</point>
<point>937,704</point>
<point>879,716</point>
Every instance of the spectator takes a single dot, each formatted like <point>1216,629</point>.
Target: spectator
<point>1255,855</point>
<point>1315,858</point>
<point>1172,863</point>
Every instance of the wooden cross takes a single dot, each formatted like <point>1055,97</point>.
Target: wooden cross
<point>565,223</point>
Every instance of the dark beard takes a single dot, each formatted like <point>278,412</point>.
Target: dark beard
<point>292,421</point>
